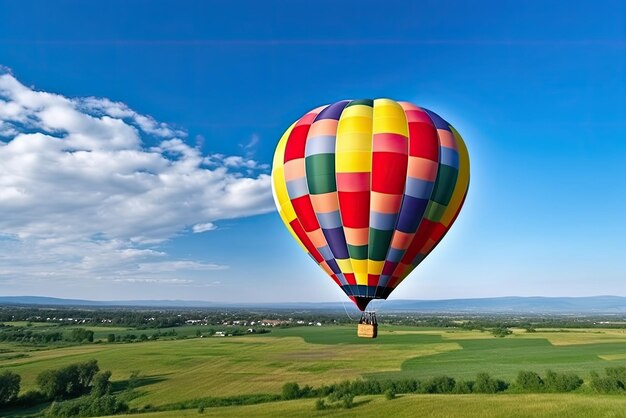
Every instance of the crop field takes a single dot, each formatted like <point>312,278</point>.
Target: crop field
<point>435,406</point>
<point>183,369</point>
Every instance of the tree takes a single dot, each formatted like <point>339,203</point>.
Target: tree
<point>80,335</point>
<point>68,381</point>
<point>9,386</point>
<point>486,384</point>
<point>101,384</point>
<point>86,372</point>
<point>529,381</point>
<point>111,338</point>
<point>390,394</point>
<point>291,390</point>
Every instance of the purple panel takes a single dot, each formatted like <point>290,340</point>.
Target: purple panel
<point>333,111</point>
<point>333,266</point>
<point>337,242</point>
<point>411,214</point>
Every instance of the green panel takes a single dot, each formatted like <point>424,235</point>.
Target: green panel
<point>435,211</point>
<point>358,252</point>
<point>321,184</point>
<point>363,102</point>
<point>444,185</point>
<point>320,173</point>
<point>379,244</point>
<point>320,164</point>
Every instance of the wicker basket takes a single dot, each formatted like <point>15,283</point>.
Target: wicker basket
<point>367,330</point>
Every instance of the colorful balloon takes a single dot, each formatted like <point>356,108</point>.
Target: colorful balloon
<point>368,188</point>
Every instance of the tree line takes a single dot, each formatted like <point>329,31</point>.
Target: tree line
<point>76,390</point>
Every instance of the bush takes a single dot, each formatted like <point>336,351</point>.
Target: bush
<point>463,387</point>
<point>320,405</point>
<point>68,381</point>
<point>562,382</point>
<point>529,381</point>
<point>31,398</point>
<point>291,390</point>
<point>486,384</point>
<point>9,386</point>
<point>501,332</point>
<point>440,384</point>
<point>87,406</point>
<point>617,373</point>
<point>390,394</point>
<point>347,400</point>
<point>101,384</point>
<point>605,384</point>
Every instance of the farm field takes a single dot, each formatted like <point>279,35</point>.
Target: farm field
<point>184,369</point>
<point>436,406</point>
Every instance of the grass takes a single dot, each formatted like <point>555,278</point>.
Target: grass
<point>178,370</point>
<point>438,406</point>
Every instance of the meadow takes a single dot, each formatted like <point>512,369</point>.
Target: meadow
<point>182,369</point>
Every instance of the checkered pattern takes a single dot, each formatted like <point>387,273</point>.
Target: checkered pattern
<point>368,188</point>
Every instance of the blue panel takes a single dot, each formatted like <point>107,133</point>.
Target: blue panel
<point>326,253</point>
<point>418,188</point>
<point>383,221</point>
<point>411,214</point>
<point>297,188</point>
<point>395,255</point>
<point>322,144</point>
<point>448,156</point>
<point>329,220</point>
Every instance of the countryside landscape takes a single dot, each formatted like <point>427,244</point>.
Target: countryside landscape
<point>168,362</point>
<point>324,208</point>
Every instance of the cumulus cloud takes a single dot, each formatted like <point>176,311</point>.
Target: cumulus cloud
<point>83,194</point>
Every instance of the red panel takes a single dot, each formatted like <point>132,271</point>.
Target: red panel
<point>304,210</point>
<point>423,141</point>
<point>296,143</point>
<point>372,279</point>
<point>355,209</point>
<point>297,229</point>
<point>418,116</point>
<point>350,278</point>
<point>420,238</point>
<point>438,232</point>
<point>389,172</point>
<point>353,182</point>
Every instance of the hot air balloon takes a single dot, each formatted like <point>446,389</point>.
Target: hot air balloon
<point>368,188</point>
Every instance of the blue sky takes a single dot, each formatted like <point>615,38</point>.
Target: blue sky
<point>537,90</point>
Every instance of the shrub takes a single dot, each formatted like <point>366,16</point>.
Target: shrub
<point>291,390</point>
<point>529,381</point>
<point>463,386</point>
<point>561,382</point>
<point>486,384</point>
<point>440,384</point>
<point>390,394</point>
<point>320,405</point>
<point>605,384</point>
<point>9,386</point>
<point>347,400</point>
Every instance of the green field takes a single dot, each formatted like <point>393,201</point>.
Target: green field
<point>184,369</point>
<point>436,406</point>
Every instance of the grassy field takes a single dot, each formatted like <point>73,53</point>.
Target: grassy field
<point>436,406</point>
<point>177,370</point>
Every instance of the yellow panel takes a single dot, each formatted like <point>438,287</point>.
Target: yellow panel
<point>359,266</point>
<point>358,110</point>
<point>375,267</point>
<point>353,162</point>
<point>389,117</point>
<point>279,187</point>
<point>361,278</point>
<point>355,141</point>
<point>360,124</point>
<point>462,183</point>
<point>344,265</point>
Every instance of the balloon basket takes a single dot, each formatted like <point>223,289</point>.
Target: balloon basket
<point>368,326</point>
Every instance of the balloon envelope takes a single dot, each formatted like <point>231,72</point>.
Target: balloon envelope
<point>368,188</point>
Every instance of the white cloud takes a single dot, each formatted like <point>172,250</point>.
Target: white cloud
<point>82,194</point>
<point>208,226</point>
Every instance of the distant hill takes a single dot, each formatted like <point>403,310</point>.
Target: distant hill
<point>511,304</point>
